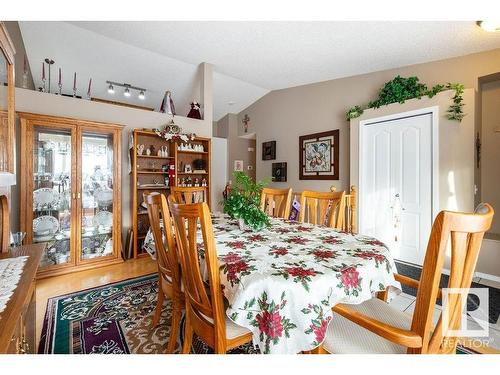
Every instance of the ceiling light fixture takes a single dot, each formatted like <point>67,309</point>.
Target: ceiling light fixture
<point>490,26</point>
<point>128,87</point>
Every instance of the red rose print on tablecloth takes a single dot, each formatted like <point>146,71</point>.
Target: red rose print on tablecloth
<point>278,251</point>
<point>257,238</point>
<point>323,255</point>
<point>332,240</point>
<point>270,324</point>
<point>297,240</point>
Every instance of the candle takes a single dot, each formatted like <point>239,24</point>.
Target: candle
<point>74,82</point>
<point>43,71</point>
<point>60,80</point>
<point>88,91</point>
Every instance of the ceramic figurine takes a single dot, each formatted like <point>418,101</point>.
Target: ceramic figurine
<point>195,111</point>
<point>140,149</point>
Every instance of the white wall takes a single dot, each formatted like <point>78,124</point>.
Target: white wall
<point>131,118</point>
<point>219,172</point>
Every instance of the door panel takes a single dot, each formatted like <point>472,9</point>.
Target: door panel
<point>97,197</point>
<point>396,185</point>
<point>51,188</point>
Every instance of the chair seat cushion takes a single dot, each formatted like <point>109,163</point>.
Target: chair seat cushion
<point>234,330</point>
<point>346,337</point>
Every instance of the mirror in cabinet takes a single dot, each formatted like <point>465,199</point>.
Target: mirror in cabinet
<point>97,195</point>
<point>51,193</point>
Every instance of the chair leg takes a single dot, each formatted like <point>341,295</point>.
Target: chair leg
<point>175,322</point>
<point>188,335</point>
<point>159,306</point>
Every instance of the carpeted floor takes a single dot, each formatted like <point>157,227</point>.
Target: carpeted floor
<point>114,319</point>
<point>472,303</point>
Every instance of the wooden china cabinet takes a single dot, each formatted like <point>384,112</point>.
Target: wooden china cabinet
<point>71,191</point>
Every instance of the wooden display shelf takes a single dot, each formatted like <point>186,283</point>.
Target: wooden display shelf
<point>153,187</point>
<point>192,152</point>
<point>151,172</point>
<point>140,176</point>
<point>155,157</point>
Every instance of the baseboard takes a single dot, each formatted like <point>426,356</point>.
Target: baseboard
<point>446,271</point>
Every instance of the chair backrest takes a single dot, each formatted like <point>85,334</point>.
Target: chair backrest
<point>350,220</point>
<point>206,310</point>
<point>166,251</point>
<point>4,224</point>
<point>459,235</point>
<point>189,194</point>
<point>276,202</point>
<point>322,208</point>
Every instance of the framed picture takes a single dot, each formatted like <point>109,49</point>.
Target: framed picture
<point>279,172</point>
<point>269,150</point>
<point>319,156</point>
<point>238,165</point>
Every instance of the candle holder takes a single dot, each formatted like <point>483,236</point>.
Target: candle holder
<point>50,62</point>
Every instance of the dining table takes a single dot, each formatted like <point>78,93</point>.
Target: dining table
<point>282,281</point>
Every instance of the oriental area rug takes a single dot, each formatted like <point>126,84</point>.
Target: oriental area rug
<point>115,319</point>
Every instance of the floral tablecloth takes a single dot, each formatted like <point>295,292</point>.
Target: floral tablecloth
<point>282,282</point>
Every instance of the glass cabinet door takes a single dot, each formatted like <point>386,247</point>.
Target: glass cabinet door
<point>52,217</point>
<point>97,195</point>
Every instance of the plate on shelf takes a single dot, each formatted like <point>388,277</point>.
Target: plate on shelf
<point>104,218</point>
<point>104,197</point>
<point>45,226</point>
<point>45,196</point>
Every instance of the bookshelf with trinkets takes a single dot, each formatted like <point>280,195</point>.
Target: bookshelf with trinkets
<point>157,164</point>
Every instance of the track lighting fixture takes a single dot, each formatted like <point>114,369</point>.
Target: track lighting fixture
<point>127,92</point>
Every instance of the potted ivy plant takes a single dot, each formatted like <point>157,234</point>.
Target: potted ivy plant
<point>243,202</point>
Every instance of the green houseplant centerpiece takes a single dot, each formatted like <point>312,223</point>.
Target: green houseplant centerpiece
<point>243,202</point>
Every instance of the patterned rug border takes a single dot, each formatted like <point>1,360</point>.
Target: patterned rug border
<point>52,302</point>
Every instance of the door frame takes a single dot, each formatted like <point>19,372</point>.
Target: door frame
<point>434,112</point>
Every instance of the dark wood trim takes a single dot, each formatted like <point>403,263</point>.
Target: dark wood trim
<point>316,137</point>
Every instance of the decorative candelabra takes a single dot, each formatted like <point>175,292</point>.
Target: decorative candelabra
<point>50,62</point>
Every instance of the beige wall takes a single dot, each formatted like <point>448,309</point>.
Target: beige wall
<point>238,147</point>
<point>490,150</point>
<point>284,115</point>
<point>17,39</point>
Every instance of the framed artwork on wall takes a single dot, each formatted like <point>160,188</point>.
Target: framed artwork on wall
<point>319,156</point>
<point>269,150</point>
<point>279,172</point>
<point>238,165</point>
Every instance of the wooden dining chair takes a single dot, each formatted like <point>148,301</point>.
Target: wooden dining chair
<point>276,202</point>
<point>168,264</point>
<point>4,224</point>
<point>376,327</point>
<point>205,311</point>
<point>322,208</point>
<point>350,219</point>
<point>189,194</point>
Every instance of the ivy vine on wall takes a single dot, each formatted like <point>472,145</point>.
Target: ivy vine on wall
<point>401,89</point>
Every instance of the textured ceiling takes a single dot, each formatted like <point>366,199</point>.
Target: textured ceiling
<point>249,58</point>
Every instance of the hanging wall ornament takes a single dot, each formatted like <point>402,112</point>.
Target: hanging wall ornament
<point>195,111</point>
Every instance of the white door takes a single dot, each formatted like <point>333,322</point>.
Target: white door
<point>396,185</point>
